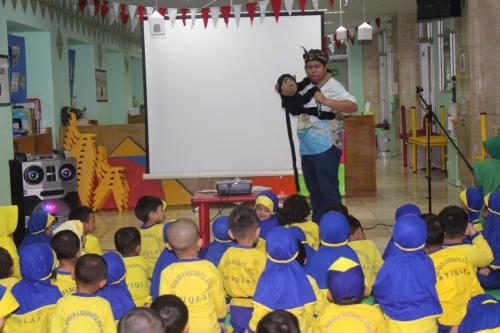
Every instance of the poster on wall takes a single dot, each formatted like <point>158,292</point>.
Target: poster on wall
<point>17,69</point>
<point>4,81</point>
<point>101,85</point>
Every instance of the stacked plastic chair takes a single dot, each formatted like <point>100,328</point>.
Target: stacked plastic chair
<point>82,147</point>
<point>111,180</point>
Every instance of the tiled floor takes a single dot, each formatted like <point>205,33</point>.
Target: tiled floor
<point>396,186</point>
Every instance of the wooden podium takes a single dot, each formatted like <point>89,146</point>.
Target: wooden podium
<point>360,156</point>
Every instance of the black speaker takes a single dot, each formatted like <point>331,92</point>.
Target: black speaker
<point>43,184</point>
<point>436,9</point>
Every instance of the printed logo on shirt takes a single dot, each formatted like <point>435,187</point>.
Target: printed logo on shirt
<point>83,313</point>
<point>351,315</point>
<point>194,298</point>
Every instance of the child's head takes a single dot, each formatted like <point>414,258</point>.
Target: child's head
<point>85,215</point>
<point>333,229</point>
<point>66,245</point>
<point>435,230</point>
<point>184,237</point>
<point>6,264</point>
<point>173,312</point>
<point>90,272</point>
<point>339,207</point>
<point>244,225</point>
<point>266,204</point>
<point>407,209</point>
<point>472,199</point>
<point>74,226</point>
<point>278,321</point>
<point>37,262</point>
<point>296,208</point>
<point>150,209</point>
<point>346,282</point>
<point>128,241</point>
<point>356,230</point>
<point>141,320</point>
<point>40,222</point>
<point>220,229</point>
<point>454,221</point>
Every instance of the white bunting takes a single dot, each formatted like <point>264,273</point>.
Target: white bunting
<point>263,7</point>
<point>172,15</point>
<point>192,12</point>
<point>315,4</point>
<point>289,6</point>
<point>214,13</point>
<point>113,12</point>
<point>131,10</point>
<point>237,14</point>
<point>149,11</point>
<point>134,21</point>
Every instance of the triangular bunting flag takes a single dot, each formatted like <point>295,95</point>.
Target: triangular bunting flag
<point>58,12</point>
<point>81,5</point>
<point>237,14</point>
<point>214,13</point>
<point>33,6</point>
<point>302,5</point>
<point>172,15</point>
<point>204,15</point>
<point>133,22</point>
<point>184,15</point>
<point>331,2</point>
<point>262,9</point>
<point>162,11</point>
<point>140,12</point>
<point>149,11</point>
<point>192,13</point>
<point>3,2</point>
<point>123,15</point>
<point>43,7</point>
<point>315,4</point>
<point>104,10</point>
<point>225,11</point>
<point>114,13</point>
<point>14,4</point>
<point>377,22</point>
<point>251,6</point>
<point>97,7</point>
<point>131,10</point>
<point>276,5</point>
<point>289,6</point>
<point>64,17</point>
<point>24,4</point>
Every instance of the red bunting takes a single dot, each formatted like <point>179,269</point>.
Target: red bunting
<point>276,5</point>
<point>302,5</point>
<point>184,15</point>
<point>140,12</point>
<point>251,6</point>
<point>123,15</point>
<point>104,10</point>
<point>337,44</point>
<point>162,11</point>
<point>335,37</point>
<point>97,6</point>
<point>225,11</point>
<point>331,2</point>
<point>325,44</point>
<point>204,15</point>
<point>377,22</point>
<point>81,5</point>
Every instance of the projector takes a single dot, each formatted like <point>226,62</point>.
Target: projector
<point>234,187</point>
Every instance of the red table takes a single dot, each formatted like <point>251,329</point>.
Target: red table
<point>204,199</point>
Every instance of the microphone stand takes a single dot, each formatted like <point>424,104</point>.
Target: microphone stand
<point>430,115</point>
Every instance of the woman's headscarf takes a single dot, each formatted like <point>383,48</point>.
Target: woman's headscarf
<point>269,200</point>
<point>37,262</point>
<point>346,282</point>
<point>300,235</point>
<point>483,313</point>
<point>472,198</point>
<point>116,291</point>
<point>405,286</point>
<point>214,251</point>
<point>283,284</point>
<point>406,209</point>
<point>492,145</point>
<point>38,224</point>
<point>492,225</point>
<point>166,258</point>
<point>334,233</point>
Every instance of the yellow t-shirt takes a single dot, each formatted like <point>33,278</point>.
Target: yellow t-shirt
<point>370,259</point>
<point>478,253</point>
<point>137,280</point>
<point>198,283</point>
<point>152,245</point>
<point>36,321</point>
<point>8,224</point>
<point>311,229</point>
<point>92,245</point>
<point>82,313</point>
<point>9,282</point>
<point>321,300</point>
<point>356,318</point>
<point>456,283</point>
<point>422,325</point>
<point>241,268</point>
<point>64,282</point>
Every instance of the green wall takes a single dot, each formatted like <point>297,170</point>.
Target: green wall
<point>137,78</point>
<point>356,85</point>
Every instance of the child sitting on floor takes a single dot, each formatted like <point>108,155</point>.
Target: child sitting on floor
<point>296,210</point>
<point>269,214</point>
<point>85,215</point>
<point>173,312</point>
<point>214,251</point>
<point>66,245</point>
<point>39,230</point>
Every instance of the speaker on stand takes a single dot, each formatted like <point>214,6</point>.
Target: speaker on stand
<point>42,184</point>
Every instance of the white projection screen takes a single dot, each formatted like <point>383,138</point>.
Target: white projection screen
<point>211,107</point>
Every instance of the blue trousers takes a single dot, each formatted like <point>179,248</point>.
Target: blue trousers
<point>321,174</point>
<point>240,318</point>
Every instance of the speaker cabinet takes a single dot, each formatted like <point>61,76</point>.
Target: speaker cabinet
<point>45,184</point>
